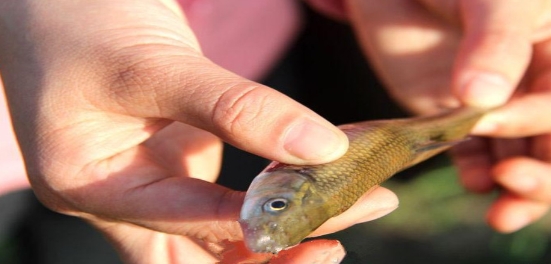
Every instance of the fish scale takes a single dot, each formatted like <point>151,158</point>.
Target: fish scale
<point>287,202</point>
<point>350,171</point>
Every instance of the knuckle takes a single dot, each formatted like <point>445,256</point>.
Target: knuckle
<point>241,109</point>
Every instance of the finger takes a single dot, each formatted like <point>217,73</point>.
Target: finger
<point>474,161</point>
<point>370,206</point>
<point>541,147</point>
<point>255,118</point>
<point>504,148</point>
<point>411,50</point>
<point>527,178</point>
<point>524,116</point>
<point>314,251</point>
<point>145,196</point>
<point>510,213</point>
<point>139,245</point>
<point>495,50</point>
<point>237,252</point>
<point>187,150</point>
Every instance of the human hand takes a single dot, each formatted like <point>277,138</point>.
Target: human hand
<point>485,51</point>
<point>141,245</point>
<point>119,116</point>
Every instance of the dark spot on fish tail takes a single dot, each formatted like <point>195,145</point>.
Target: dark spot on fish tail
<point>438,137</point>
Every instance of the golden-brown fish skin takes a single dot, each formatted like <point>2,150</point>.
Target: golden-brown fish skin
<point>286,202</point>
<point>281,191</point>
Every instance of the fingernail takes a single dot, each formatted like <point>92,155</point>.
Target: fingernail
<point>485,90</point>
<point>316,143</point>
<point>517,222</point>
<point>523,184</point>
<point>485,126</point>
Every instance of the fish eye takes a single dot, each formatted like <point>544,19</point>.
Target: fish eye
<point>276,204</point>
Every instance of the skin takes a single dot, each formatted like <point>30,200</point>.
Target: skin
<point>120,117</point>
<point>286,202</point>
<point>482,53</point>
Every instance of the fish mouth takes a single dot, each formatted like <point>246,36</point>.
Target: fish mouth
<point>258,241</point>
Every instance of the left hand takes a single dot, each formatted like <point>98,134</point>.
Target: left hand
<point>116,111</point>
<point>486,51</point>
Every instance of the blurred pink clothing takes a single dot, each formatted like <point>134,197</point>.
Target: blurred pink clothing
<point>245,36</point>
<point>12,171</point>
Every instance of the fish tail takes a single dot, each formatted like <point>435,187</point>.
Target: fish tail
<point>451,125</point>
<point>439,133</point>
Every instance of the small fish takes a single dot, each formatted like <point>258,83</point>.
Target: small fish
<point>285,203</point>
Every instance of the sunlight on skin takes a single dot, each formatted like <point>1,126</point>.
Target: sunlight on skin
<point>410,39</point>
<point>492,53</point>
<point>314,251</point>
<point>378,202</point>
<point>136,64</point>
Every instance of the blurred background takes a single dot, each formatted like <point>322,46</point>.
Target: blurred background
<point>437,221</point>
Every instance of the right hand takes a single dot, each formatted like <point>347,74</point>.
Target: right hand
<point>116,112</point>
<point>447,53</point>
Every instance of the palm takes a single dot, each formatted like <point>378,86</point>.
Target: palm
<point>126,163</point>
<point>121,159</point>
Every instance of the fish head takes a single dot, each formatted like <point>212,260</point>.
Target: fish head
<point>281,208</point>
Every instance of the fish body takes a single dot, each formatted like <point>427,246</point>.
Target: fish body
<point>285,202</point>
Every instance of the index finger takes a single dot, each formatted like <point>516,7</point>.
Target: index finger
<point>372,205</point>
<point>495,50</point>
<point>526,116</point>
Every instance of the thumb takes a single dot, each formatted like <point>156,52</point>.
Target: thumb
<point>495,50</point>
<point>248,115</point>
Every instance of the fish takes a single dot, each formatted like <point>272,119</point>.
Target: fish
<point>286,202</point>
